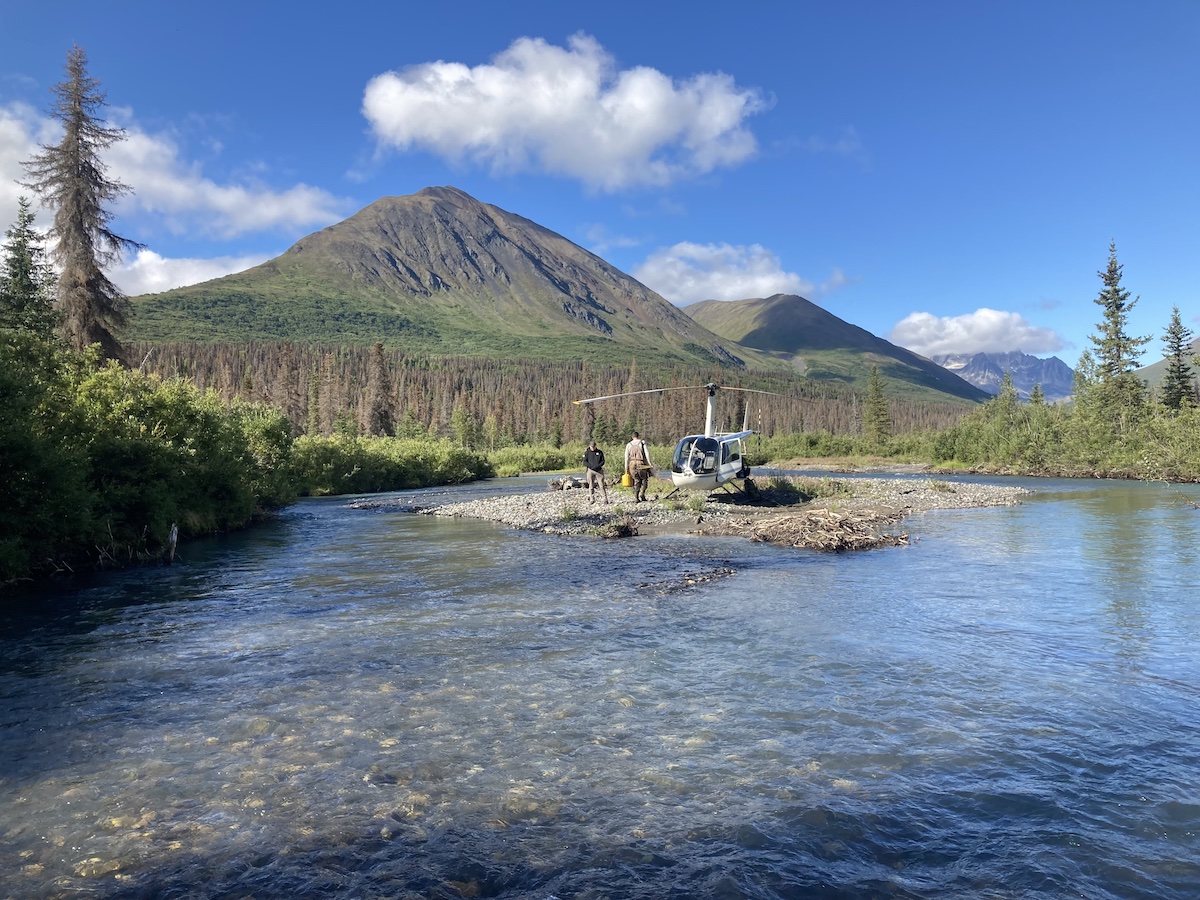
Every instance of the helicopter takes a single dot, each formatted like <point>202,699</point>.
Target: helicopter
<point>704,461</point>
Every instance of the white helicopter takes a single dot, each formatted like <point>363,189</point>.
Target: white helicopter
<point>704,461</point>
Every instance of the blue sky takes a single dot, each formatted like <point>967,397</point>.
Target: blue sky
<point>944,174</point>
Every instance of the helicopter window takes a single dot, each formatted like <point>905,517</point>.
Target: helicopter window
<point>683,454</point>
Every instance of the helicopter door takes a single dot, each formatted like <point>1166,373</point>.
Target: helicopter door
<point>705,453</point>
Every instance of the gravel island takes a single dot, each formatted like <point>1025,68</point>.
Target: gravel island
<point>846,514</point>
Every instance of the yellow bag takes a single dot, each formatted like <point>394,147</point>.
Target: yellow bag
<point>626,480</point>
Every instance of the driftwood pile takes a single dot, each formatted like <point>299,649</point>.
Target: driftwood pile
<point>829,530</point>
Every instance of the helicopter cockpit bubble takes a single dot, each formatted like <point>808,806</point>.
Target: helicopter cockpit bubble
<point>683,452</point>
<point>699,455</point>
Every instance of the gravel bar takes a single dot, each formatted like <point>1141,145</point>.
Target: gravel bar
<point>570,512</point>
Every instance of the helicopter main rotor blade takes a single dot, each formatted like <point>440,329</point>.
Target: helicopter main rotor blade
<point>692,387</point>
<point>635,393</point>
<point>746,390</point>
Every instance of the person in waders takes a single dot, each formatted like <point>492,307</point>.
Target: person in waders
<point>638,465</point>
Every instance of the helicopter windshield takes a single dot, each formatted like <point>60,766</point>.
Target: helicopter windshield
<point>697,454</point>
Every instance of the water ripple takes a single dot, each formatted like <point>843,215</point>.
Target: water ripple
<point>371,704</point>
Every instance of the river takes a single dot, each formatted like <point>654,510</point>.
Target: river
<point>381,704</point>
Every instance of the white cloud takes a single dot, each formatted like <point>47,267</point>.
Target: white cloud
<point>983,331</point>
<point>174,192</point>
<point>149,273</point>
<point>567,111</point>
<point>687,273</point>
<point>21,130</point>
<point>165,185</point>
<point>601,240</point>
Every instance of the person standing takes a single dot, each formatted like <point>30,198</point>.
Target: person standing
<point>593,461</point>
<point>638,465</point>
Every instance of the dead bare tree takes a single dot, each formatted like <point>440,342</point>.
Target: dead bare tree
<point>71,178</point>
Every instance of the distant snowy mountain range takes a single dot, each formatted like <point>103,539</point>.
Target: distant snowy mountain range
<point>986,371</point>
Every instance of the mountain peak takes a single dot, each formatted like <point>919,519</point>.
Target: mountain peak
<point>987,370</point>
<point>439,271</point>
<point>820,344</point>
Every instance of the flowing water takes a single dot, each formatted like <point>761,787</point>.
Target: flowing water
<point>381,704</point>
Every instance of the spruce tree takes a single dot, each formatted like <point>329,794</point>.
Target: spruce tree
<point>72,179</point>
<point>877,418</point>
<point>1118,395</point>
<point>379,418</point>
<point>26,279</point>
<point>1117,353</point>
<point>1177,388</point>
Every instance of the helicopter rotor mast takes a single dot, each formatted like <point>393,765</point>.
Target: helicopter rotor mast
<point>709,428</point>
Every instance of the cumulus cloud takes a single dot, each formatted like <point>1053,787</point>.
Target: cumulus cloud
<point>175,192</point>
<point>567,111</point>
<point>983,331</point>
<point>21,130</point>
<point>687,273</point>
<point>149,273</point>
<point>187,202</point>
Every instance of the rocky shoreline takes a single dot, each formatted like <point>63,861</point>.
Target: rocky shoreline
<point>849,514</point>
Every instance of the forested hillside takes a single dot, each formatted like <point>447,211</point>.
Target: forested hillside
<point>511,400</point>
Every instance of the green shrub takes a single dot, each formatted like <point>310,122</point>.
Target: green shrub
<point>163,453</point>
<point>43,464</point>
<point>542,458</point>
<point>360,465</point>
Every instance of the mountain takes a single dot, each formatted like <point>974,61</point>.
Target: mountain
<point>986,371</point>
<point>439,272</point>
<point>824,347</point>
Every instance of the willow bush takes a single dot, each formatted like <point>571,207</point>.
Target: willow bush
<point>163,453</point>
<point>47,506</point>
<point>100,463</point>
<point>343,464</point>
<point>509,461</point>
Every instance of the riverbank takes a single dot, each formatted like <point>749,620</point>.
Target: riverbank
<point>823,514</point>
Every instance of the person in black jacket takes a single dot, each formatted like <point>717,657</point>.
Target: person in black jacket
<point>593,460</point>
